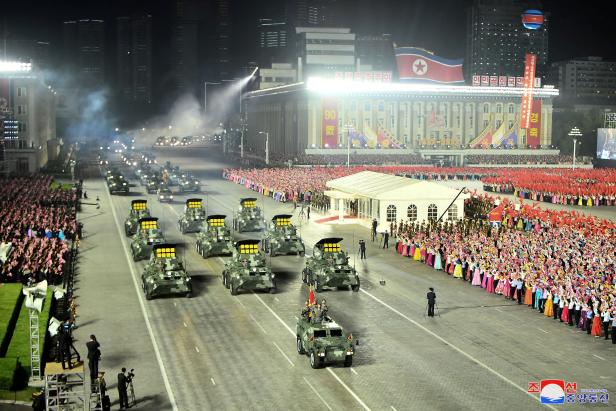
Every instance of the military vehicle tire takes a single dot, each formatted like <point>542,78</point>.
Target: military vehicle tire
<point>302,253</point>
<point>232,288</point>
<point>188,295</point>
<point>348,361</point>
<point>300,347</point>
<point>272,290</point>
<point>126,231</point>
<point>355,287</point>
<point>132,250</point>
<point>148,296</point>
<point>315,360</point>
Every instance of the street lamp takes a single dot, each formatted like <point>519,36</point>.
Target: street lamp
<point>266,146</point>
<point>575,133</point>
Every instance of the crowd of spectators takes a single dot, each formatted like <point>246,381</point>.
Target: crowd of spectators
<point>559,263</point>
<point>584,187</point>
<point>519,159</point>
<point>357,159</point>
<point>37,220</point>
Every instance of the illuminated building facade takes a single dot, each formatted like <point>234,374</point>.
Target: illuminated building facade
<point>327,113</point>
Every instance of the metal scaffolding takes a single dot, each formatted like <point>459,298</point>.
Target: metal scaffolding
<point>65,390</point>
<point>35,346</point>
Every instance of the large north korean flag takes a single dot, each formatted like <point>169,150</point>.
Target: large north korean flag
<point>419,65</point>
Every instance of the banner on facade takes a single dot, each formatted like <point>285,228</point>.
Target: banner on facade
<point>533,132</point>
<point>527,98</point>
<point>329,130</point>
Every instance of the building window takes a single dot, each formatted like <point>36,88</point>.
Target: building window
<point>485,123</point>
<point>432,212</point>
<point>21,92</point>
<point>498,123</point>
<point>411,212</point>
<point>486,108</point>
<point>391,213</point>
<point>381,107</point>
<point>21,109</point>
<point>499,108</point>
<point>511,108</point>
<point>510,124</point>
<point>452,213</point>
<point>367,107</point>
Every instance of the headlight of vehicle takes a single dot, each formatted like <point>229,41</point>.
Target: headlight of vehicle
<point>161,197</point>
<point>171,197</point>
<point>254,270</point>
<point>124,184</point>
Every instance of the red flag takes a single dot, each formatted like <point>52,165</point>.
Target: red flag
<point>420,65</point>
<point>311,296</point>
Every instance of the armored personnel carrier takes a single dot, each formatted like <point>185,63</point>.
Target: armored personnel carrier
<point>164,194</point>
<point>324,341</point>
<point>281,238</point>
<point>189,184</point>
<point>165,274</point>
<point>138,210</point>
<point>329,267</point>
<point>151,184</point>
<point>247,269</point>
<point>193,217</point>
<point>249,218</point>
<point>148,235</point>
<point>214,237</point>
<point>117,184</point>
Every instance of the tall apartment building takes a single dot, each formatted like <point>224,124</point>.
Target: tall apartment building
<point>323,50</point>
<point>376,52</point>
<point>84,50</point>
<point>585,79</point>
<point>185,45</point>
<point>497,41</point>
<point>134,58</point>
<point>222,40</point>
<point>272,41</point>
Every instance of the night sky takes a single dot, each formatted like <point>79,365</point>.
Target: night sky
<point>439,25</point>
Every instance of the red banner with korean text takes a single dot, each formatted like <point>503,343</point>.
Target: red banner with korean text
<point>527,96</point>
<point>329,130</point>
<point>533,132</point>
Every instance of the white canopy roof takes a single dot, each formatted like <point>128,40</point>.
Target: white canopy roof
<point>389,187</point>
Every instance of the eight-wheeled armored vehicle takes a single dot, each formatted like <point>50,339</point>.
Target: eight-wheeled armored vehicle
<point>189,184</point>
<point>214,237</point>
<point>250,217</point>
<point>324,341</point>
<point>138,210</point>
<point>247,269</point>
<point>148,235</point>
<point>281,237</point>
<point>329,267</point>
<point>193,218</point>
<point>165,275</point>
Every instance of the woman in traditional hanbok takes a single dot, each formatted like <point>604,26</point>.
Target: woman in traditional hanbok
<point>405,248</point>
<point>476,276</point>
<point>438,263</point>
<point>412,249</point>
<point>596,323</point>
<point>430,257</point>
<point>452,264</point>
<point>500,285</point>
<point>490,287</point>
<point>506,287</point>
<point>422,252</point>
<point>399,246</point>
<point>528,294</point>
<point>548,309</point>
<point>457,271</point>
<point>417,255</point>
<point>564,316</point>
<point>582,320</point>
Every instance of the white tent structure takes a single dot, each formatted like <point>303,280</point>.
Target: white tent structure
<point>390,198</point>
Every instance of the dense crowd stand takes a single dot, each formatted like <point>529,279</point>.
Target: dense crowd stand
<point>518,159</point>
<point>587,187</point>
<point>37,221</point>
<point>559,263</point>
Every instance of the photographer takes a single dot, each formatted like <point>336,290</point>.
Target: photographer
<point>94,355</point>
<point>123,381</point>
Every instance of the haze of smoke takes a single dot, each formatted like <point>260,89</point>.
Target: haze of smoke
<point>93,120</point>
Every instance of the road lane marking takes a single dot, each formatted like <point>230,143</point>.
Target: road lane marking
<point>318,395</point>
<point>499,310</point>
<point>393,408</point>
<point>284,355</point>
<point>175,304</point>
<point>213,382</point>
<point>143,309</point>
<point>459,350</point>
<point>276,298</point>
<point>184,322</point>
<point>353,371</point>
<point>196,348</point>
<point>173,210</point>
<point>541,329</point>
<point>240,303</point>
<point>350,391</point>
<point>601,358</point>
<point>257,322</point>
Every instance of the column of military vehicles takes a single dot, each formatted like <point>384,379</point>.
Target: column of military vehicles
<point>318,335</point>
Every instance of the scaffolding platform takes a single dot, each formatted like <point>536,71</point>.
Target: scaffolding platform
<point>65,389</point>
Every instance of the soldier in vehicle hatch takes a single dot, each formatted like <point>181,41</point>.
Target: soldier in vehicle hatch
<point>306,310</point>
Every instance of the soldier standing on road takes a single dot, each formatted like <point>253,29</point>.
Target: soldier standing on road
<point>362,249</point>
<point>98,203</point>
<point>386,239</point>
<point>308,212</point>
